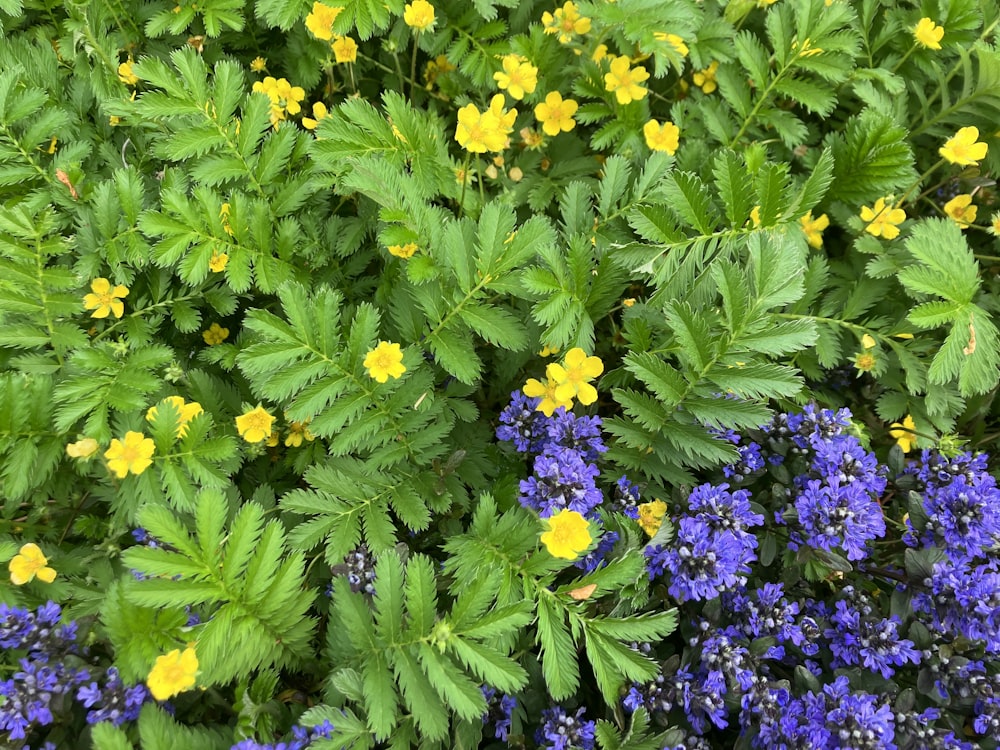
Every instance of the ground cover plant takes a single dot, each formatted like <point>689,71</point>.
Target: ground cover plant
<point>608,375</point>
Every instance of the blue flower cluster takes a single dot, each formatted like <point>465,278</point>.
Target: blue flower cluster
<point>712,550</point>
<point>859,636</point>
<point>301,739</point>
<point>564,731</point>
<point>114,701</point>
<point>836,502</point>
<point>46,683</point>
<point>828,490</point>
<point>564,449</point>
<point>499,713</point>
<point>961,519</point>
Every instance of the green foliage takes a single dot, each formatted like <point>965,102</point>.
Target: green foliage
<point>717,281</point>
<point>243,569</point>
<point>405,655</point>
<point>945,267</point>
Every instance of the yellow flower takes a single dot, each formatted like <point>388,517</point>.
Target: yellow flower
<point>568,534</point>
<point>961,210</point>
<point>548,351</point>
<point>114,120</point>
<point>624,80</point>
<point>867,341</point>
<point>813,228</point>
<point>995,224</point>
<point>928,34</point>
<point>125,74</point>
<point>84,448</point>
<point>133,454</point>
<point>531,139</point>
<point>403,251</point>
<point>320,21</point>
<point>905,437</point>
<point>173,673</point>
<point>185,412</point>
<point>567,23</point>
<point>215,334</point>
<point>651,516</point>
<point>254,425</point>
<point>547,392</point>
<point>882,220</point>
<point>104,300</point>
<point>963,148</point>
<point>675,41</point>
<point>284,97</point>
<point>259,64</point>
<point>345,49</point>
<point>487,131</point>
<point>572,375</point>
<point>385,361</point>
<point>29,563</point>
<point>319,112</point>
<point>665,137</point>
<point>706,78</point>
<point>555,114</point>
<point>864,361</point>
<point>217,263</point>
<point>418,15</point>
<point>518,77</point>
<point>755,215</point>
<point>600,52</point>
<point>297,432</point>
<point>272,442</point>
<point>628,301</point>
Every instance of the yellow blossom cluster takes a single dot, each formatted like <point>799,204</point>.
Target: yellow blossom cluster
<point>284,97</point>
<point>566,22</point>
<point>565,381</point>
<point>479,132</point>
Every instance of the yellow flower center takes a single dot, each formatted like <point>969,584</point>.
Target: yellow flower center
<point>256,420</point>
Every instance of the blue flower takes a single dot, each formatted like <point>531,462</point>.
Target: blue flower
<point>499,712</point>
<point>834,515</point>
<point>626,498</point>
<point>114,702</point>
<point>563,731</point>
<point>702,563</point>
<point>861,637</point>
<point>581,434</point>
<point>522,425</point>
<point>561,479</point>
<point>29,695</point>
<point>595,558</point>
